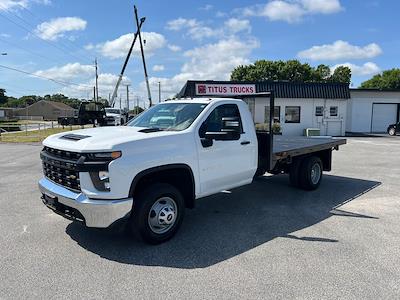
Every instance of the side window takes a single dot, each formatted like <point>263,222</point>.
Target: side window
<point>292,114</point>
<point>333,111</point>
<point>214,121</point>
<point>319,111</point>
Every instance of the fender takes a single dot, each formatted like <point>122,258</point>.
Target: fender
<point>189,201</point>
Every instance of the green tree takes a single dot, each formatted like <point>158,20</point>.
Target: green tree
<point>341,74</point>
<point>291,70</point>
<point>136,109</point>
<point>3,97</point>
<point>389,79</point>
<point>322,73</point>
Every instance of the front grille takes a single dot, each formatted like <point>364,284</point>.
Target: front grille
<point>61,167</point>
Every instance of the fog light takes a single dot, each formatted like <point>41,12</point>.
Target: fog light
<point>105,179</point>
<point>107,185</point>
<point>104,176</point>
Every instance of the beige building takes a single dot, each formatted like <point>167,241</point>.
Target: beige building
<point>48,110</point>
<point>6,113</point>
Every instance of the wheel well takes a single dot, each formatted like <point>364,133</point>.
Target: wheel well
<point>324,155</point>
<point>180,176</point>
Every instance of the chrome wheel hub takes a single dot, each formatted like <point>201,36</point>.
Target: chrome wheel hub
<point>315,173</point>
<point>162,215</point>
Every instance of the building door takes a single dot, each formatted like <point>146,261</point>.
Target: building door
<point>334,127</point>
<point>382,116</point>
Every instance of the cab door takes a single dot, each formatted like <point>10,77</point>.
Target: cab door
<point>224,164</point>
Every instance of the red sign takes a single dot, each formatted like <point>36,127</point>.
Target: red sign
<point>213,89</point>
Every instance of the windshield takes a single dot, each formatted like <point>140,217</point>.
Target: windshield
<point>112,111</point>
<point>169,116</point>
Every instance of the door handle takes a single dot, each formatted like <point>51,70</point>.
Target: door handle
<point>245,143</point>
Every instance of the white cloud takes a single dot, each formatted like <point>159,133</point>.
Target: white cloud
<point>67,72</point>
<point>158,68</point>
<point>174,48</point>
<point>56,28</point>
<point>201,32</point>
<point>181,23</point>
<point>5,35</point>
<point>226,55</point>
<point>340,50</point>
<point>292,11</point>
<point>119,47</point>
<point>89,46</point>
<point>196,30</point>
<point>106,82</point>
<point>236,25</point>
<point>207,7</point>
<point>322,6</point>
<point>6,5</point>
<point>368,68</point>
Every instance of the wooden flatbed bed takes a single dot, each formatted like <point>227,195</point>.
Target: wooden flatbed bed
<point>285,146</point>
<point>277,152</point>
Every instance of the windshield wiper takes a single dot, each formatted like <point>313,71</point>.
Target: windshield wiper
<point>150,129</point>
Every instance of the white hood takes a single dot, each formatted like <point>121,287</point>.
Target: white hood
<point>100,138</point>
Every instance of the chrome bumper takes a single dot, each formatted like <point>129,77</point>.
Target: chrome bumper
<point>96,213</point>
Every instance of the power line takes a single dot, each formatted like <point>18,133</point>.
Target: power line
<point>65,83</point>
<point>37,36</point>
<point>48,24</point>
<point>26,50</point>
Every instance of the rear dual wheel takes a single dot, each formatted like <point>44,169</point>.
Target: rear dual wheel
<point>392,131</point>
<point>306,173</point>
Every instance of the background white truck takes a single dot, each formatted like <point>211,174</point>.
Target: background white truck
<point>149,171</point>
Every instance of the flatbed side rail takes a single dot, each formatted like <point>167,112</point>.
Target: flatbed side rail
<point>332,144</point>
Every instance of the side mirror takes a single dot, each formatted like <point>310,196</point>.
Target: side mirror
<point>230,130</point>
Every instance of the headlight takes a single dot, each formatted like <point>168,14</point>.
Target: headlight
<point>104,155</point>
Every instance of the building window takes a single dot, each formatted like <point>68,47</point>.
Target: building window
<point>319,111</point>
<point>292,114</point>
<point>333,111</point>
<point>277,114</point>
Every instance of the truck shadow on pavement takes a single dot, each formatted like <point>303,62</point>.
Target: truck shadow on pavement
<point>227,224</point>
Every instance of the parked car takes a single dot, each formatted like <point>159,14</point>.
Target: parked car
<point>114,116</point>
<point>178,151</point>
<point>393,129</point>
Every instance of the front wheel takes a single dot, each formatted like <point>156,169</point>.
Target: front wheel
<point>158,213</point>
<point>392,131</point>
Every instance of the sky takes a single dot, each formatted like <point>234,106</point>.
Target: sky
<point>58,41</point>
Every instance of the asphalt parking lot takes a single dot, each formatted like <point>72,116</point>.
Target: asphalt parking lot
<point>265,240</point>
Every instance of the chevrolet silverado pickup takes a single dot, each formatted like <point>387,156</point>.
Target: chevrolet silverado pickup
<point>149,171</point>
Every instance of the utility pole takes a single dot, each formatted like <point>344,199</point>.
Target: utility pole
<point>97,84</point>
<point>127,98</point>
<point>159,92</point>
<point>94,93</point>
<point>146,77</point>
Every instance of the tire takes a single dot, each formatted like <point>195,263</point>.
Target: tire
<point>392,131</point>
<point>155,207</point>
<point>310,173</point>
<point>294,173</point>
